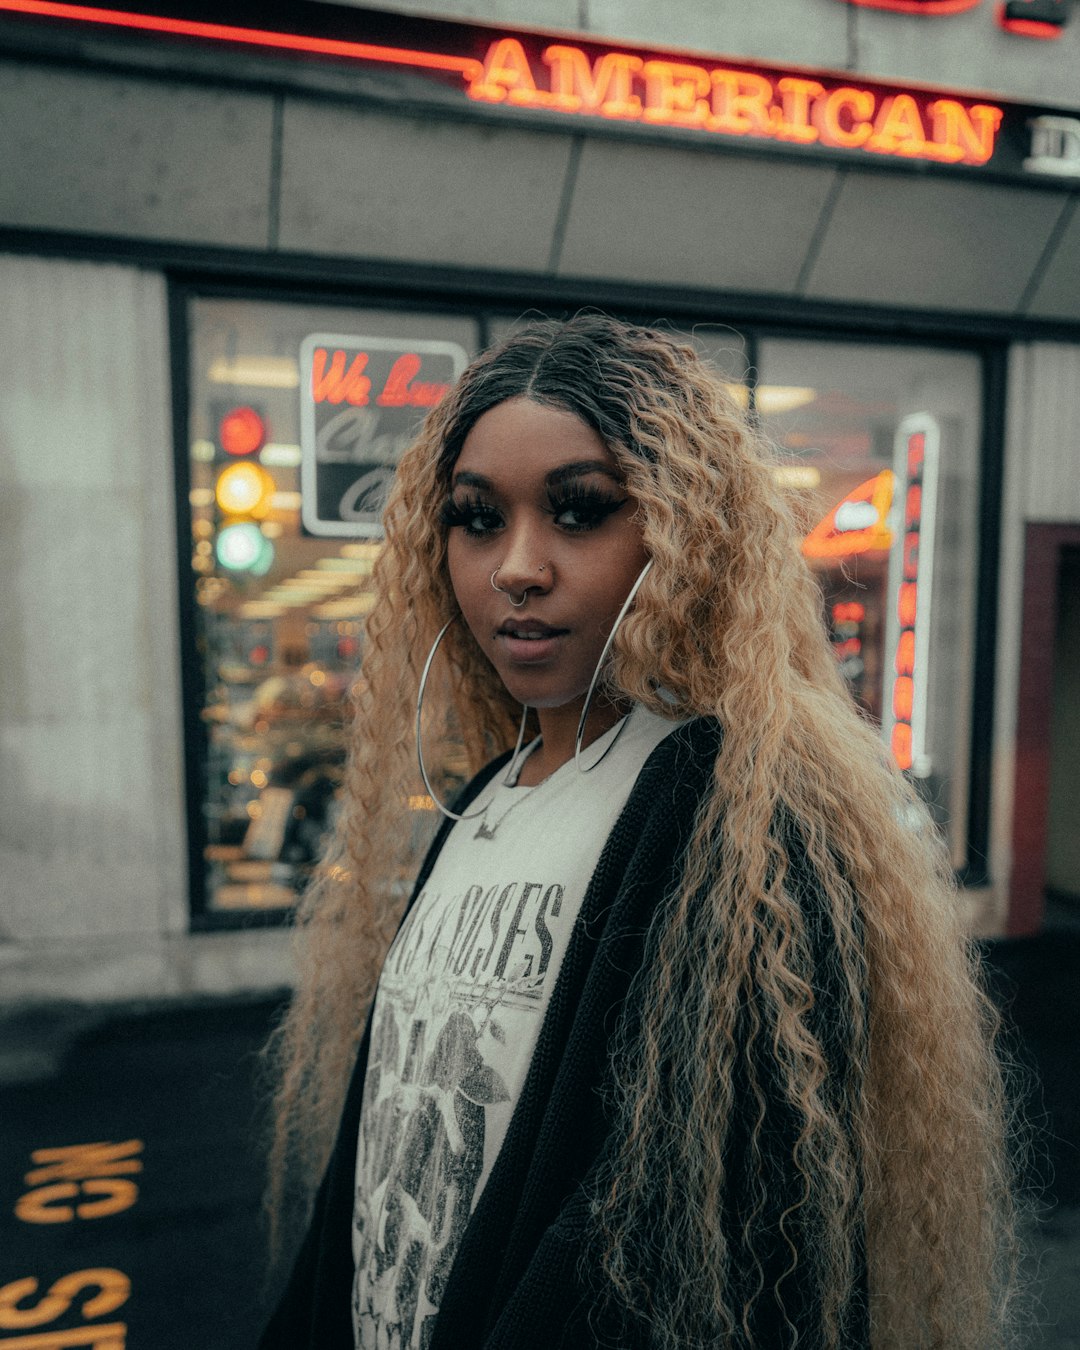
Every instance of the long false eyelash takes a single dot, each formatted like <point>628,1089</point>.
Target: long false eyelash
<point>463,511</point>
<point>594,503</point>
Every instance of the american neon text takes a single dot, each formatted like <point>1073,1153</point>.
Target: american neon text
<point>733,102</point>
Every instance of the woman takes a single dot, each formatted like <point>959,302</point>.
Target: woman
<point>679,1042</point>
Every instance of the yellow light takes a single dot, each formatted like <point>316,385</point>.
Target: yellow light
<point>782,398</point>
<point>245,489</point>
<point>806,476</point>
<point>266,372</point>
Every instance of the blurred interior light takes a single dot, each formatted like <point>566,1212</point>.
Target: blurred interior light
<point>286,501</point>
<point>801,476</point>
<point>242,547</point>
<point>370,549</point>
<point>782,398</point>
<point>202,452</point>
<point>241,431</point>
<point>264,372</point>
<point>201,496</point>
<point>245,489</point>
<point>279,455</point>
<point>356,567</point>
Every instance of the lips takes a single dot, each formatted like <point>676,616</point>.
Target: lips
<point>529,641</point>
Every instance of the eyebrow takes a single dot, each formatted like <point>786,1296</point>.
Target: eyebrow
<point>577,469</point>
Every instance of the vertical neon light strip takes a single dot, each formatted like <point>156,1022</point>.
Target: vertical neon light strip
<point>925,428</point>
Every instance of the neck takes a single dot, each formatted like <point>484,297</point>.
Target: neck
<point>558,729</point>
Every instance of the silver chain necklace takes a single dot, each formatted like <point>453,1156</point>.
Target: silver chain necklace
<point>486,831</point>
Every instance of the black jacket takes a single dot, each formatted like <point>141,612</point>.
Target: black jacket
<point>516,1282</point>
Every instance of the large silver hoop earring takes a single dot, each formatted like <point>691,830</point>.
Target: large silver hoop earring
<point>515,603</point>
<point>596,677</point>
<point>453,815</point>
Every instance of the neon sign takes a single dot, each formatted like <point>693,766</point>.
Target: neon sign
<point>819,113</point>
<point>1025,18</point>
<point>361,403</point>
<point>735,102</point>
<point>858,524</point>
<point>907,638</point>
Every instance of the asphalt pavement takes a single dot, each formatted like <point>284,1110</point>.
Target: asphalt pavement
<point>152,1239</point>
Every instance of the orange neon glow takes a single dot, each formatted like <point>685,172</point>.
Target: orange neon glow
<point>738,103</point>
<point>903,698</point>
<point>901,745</point>
<point>843,117</point>
<point>467,67</point>
<point>667,93</point>
<point>905,653</point>
<point>848,611</point>
<point>907,604</point>
<point>605,90</point>
<point>829,538</point>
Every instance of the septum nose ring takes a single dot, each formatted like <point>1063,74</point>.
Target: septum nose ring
<point>516,604</point>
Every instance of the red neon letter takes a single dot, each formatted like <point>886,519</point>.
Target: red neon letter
<point>395,392</point>
<point>858,103</point>
<point>334,385</point>
<point>578,87</point>
<point>741,103</point>
<point>675,93</point>
<point>898,128</point>
<point>506,75</point>
<point>793,124</point>
<point>964,134</point>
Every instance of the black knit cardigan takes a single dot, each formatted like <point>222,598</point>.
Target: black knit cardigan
<point>522,1278</point>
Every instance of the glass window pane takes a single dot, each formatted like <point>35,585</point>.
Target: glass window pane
<point>279,607</point>
<point>883,467</point>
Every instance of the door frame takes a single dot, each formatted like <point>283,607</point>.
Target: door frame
<point>1044,544</point>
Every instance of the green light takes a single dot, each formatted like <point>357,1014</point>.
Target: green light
<point>242,547</point>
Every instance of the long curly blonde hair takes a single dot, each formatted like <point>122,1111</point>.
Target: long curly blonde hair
<point>907,1157</point>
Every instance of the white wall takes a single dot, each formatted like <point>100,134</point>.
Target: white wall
<point>91,801</point>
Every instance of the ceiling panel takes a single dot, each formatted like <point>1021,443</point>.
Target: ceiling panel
<point>692,217</point>
<point>1058,293</point>
<point>932,243</point>
<point>432,191</point>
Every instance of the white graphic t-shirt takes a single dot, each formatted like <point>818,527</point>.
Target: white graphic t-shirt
<point>458,1010</point>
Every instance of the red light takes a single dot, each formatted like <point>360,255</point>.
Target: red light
<point>241,432</point>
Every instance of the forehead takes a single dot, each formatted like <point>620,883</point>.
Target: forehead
<point>520,438</point>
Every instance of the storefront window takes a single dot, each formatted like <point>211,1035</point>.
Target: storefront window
<point>298,415</point>
<point>882,467</point>
<point>282,547</point>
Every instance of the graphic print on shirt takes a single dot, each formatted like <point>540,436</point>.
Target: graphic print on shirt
<point>460,1002</point>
